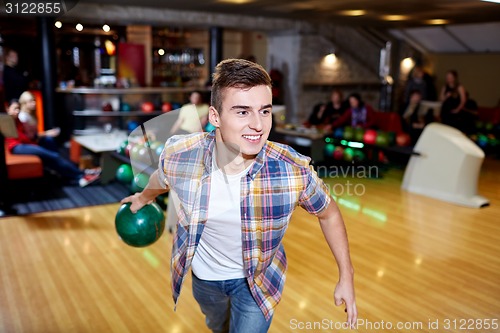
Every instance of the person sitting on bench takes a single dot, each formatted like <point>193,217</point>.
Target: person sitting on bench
<point>51,159</point>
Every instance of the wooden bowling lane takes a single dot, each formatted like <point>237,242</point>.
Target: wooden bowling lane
<point>417,261</point>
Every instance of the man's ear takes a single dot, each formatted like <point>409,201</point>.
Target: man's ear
<point>213,116</point>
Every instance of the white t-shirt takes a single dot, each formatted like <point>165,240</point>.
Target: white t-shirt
<point>219,255</point>
<point>30,124</point>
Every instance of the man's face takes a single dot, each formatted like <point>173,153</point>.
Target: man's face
<point>245,120</point>
<point>12,59</point>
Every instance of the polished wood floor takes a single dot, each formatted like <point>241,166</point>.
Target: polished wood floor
<point>419,262</point>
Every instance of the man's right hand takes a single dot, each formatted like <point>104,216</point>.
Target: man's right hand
<point>137,202</point>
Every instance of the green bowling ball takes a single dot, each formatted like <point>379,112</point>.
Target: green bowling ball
<point>359,134</point>
<point>329,149</point>
<point>348,133</point>
<point>125,107</point>
<point>134,152</point>
<point>139,182</point>
<point>382,139</point>
<point>359,155</point>
<point>123,147</point>
<point>142,228</point>
<point>124,173</point>
<point>348,154</point>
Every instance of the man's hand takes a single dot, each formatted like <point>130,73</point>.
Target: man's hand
<point>344,294</point>
<point>147,196</point>
<point>137,202</point>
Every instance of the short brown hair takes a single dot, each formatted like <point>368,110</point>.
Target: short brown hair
<point>236,73</point>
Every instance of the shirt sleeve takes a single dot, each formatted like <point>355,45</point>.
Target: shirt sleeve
<point>162,170</point>
<point>315,197</point>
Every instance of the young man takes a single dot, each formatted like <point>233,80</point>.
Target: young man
<point>237,192</point>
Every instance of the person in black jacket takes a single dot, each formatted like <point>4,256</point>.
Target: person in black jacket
<point>15,82</point>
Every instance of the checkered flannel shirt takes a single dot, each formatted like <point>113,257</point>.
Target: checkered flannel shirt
<point>278,181</point>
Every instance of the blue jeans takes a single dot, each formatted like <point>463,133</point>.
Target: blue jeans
<point>50,159</point>
<point>229,306</point>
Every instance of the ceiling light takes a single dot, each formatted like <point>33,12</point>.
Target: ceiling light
<point>394,17</point>
<point>357,12</point>
<point>161,52</point>
<point>330,59</point>
<point>235,2</point>
<point>58,24</point>
<point>79,27</point>
<point>106,28</point>
<point>494,1</point>
<point>407,63</point>
<point>437,22</point>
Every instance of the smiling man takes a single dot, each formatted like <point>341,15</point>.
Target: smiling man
<point>237,193</point>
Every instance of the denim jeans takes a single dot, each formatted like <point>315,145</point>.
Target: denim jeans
<point>51,160</point>
<point>229,306</point>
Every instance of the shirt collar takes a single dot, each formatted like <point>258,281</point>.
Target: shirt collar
<point>209,154</point>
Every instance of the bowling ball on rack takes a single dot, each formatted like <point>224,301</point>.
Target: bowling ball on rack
<point>329,149</point>
<point>339,133</point>
<point>147,107</point>
<point>338,153</point>
<point>123,146</point>
<point>125,107</point>
<point>359,134</point>
<point>139,182</point>
<point>489,126</point>
<point>134,152</point>
<point>359,155</point>
<point>348,133</point>
<point>107,107</point>
<point>166,107</point>
<point>482,140</point>
<point>142,228</point>
<point>132,125</point>
<point>348,154</point>
<point>403,139</point>
<point>144,157</point>
<point>124,173</point>
<point>370,137</point>
<point>382,139</point>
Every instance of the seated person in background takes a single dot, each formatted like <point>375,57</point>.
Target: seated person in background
<point>416,117</point>
<point>324,114</point>
<point>359,114</point>
<point>186,123</point>
<point>27,116</point>
<point>421,81</point>
<point>24,145</point>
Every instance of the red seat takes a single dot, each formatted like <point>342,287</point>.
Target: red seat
<point>388,121</point>
<point>23,166</point>
<point>489,115</point>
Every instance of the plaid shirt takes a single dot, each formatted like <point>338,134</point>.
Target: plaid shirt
<point>278,181</point>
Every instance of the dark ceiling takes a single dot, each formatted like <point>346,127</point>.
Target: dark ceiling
<point>415,12</point>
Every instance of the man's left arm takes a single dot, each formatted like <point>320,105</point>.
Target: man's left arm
<point>335,234</point>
